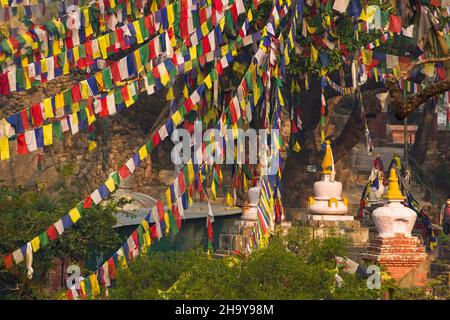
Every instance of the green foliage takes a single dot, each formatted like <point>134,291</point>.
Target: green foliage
<point>295,267</point>
<point>437,289</point>
<point>26,214</point>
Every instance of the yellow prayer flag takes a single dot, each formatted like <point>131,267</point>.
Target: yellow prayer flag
<point>88,26</point>
<point>84,88</point>
<point>110,184</point>
<point>208,81</point>
<point>193,52</point>
<point>99,79</point>
<point>83,288</point>
<point>4,148</point>
<point>66,67</point>
<point>154,6</point>
<point>239,67</point>
<point>176,118</point>
<point>368,13</point>
<point>137,58</point>
<point>314,54</point>
<point>137,28</point>
<point>250,16</point>
<point>27,79</point>
<point>94,285</point>
<point>44,67</point>
<point>204,28</point>
<point>280,97</point>
<point>188,65</point>
<point>170,14</point>
<point>167,221</point>
<point>170,95</point>
<point>213,190</point>
<point>74,215</point>
<point>48,134</point>
<point>92,145</point>
<point>35,244</point>
<point>56,47</point>
<point>102,45</point>
<point>48,110</point>
<point>76,53</point>
<point>311,30</point>
<point>165,79</point>
<point>168,198</point>
<point>145,225</point>
<point>190,167</point>
<point>143,153</point>
<point>59,101</point>
<point>147,239</point>
<point>366,56</point>
<point>230,200</point>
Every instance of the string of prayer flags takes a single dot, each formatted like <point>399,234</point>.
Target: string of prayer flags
<point>54,37</point>
<point>140,239</point>
<point>106,188</point>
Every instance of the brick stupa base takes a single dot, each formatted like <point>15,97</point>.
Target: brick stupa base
<point>399,255</point>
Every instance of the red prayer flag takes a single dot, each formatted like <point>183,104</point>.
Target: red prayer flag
<point>115,72</point>
<point>219,68</point>
<point>181,184</point>
<point>24,117</point>
<point>52,232</point>
<point>87,203</point>
<point>124,92</point>
<point>156,139</point>
<point>4,84</point>
<point>124,172</point>
<point>205,45</point>
<point>234,12</point>
<point>111,268</point>
<point>8,261</point>
<point>76,93</point>
<point>395,23</point>
<point>160,208</point>
<point>36,114</point>
<point>21,144</point>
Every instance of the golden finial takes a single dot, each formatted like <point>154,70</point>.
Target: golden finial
<point>327,163</point>
<point>394,192</point>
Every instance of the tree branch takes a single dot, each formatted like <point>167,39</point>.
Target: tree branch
<point>403,107</point>
<point>418,63</point>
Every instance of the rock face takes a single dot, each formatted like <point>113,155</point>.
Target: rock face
<point>68,163</point>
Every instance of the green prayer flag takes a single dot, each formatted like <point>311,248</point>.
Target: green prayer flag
<point>43,238</point>
<point>67,97</point>
<point>116,178</point>
<point>117,97</point>
<point>107,79</point>
<point>173,223</point>
<point>149,146</point>
<point>57,130</point>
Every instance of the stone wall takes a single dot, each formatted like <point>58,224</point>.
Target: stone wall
<point>68,164</point>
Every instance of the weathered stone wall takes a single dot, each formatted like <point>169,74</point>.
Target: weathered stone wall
<point>68,164</point>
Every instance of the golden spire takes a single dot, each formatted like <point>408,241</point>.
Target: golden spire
<point>394,192</point>
<point>327,163</point>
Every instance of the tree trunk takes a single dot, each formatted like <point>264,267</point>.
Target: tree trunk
<point>297,183</point>
<point>423,136</point>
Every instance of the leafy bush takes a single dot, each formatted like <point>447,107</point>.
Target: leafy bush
<point>26,214</point>
<point>294,267</point>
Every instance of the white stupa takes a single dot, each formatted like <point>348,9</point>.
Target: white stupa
<point>327,202</point>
